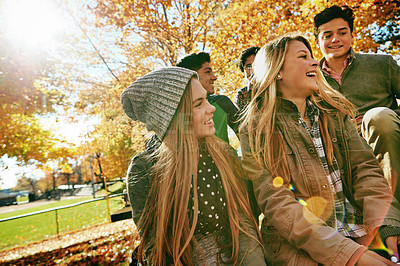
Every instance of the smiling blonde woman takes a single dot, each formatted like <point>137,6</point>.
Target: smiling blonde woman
<point>317,182</point>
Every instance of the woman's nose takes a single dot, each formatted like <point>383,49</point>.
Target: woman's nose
<point>211,108</point>
<point>314,62</point>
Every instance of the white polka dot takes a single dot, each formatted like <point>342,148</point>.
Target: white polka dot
<point>208,185</point>
<point>191,185</point>
<point>216,216</point>
<point>198,187</point>
<point>204,179</point>
<point>212,193</point>
<point>214,177</point>
<point>208,170</point>
<point>216,224</point>
<point>207,233</point>
<point>200,171</point>
<point>212,161</point>
<point>210,215</point>
<point>201,155</point>
<point>212,207</point>
<point>216,174</point>
<point>224,204</point>
<point>201,194</point>
<point>206,202</point>
<point>220,199</point>
<point>204,163</point>
<point>193,208</point>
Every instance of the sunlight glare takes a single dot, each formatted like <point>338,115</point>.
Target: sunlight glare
<point>31,22</point>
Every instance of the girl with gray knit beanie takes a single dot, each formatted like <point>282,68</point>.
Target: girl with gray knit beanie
<point>187,193</point>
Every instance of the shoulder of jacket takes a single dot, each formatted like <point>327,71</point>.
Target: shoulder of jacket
<point>142,158</point>
<point>218,97</point>
<point>373,57</point>
<point>242,90</point>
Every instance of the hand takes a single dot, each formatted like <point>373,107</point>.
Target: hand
<point>370,258</point>
<point>391,244</point>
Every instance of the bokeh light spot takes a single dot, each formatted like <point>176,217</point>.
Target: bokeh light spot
<point>314,208</point>
<point>277,182</point>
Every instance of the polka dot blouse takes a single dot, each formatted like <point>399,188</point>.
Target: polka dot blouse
<point>212,212</point>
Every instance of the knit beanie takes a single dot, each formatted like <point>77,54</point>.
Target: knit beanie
<point>154,98</point>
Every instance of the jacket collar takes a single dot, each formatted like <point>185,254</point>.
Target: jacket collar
<point>352,58</point>
<point>286,107</point>
<point>352,55</point>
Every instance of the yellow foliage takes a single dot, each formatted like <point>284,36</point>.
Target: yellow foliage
<point>254,23</point>
<point>65,168</point>
<point>156,33</point>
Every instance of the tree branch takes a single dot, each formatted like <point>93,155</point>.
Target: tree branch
<point>94,47</point>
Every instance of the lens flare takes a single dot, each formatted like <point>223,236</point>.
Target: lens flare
<point>277,182</point>
<point>302,202</point>
<point>314,209</point>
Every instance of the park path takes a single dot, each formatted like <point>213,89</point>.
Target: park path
<point>26,205</point>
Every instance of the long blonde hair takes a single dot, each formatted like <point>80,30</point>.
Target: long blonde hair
<point>165,222</point>
<point>259,119</point>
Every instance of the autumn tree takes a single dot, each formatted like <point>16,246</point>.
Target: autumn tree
<point>49,181</point>
<point>388,28</point>
<point>153,33</point>
<point>22,97</point>
<point>26,183</point>
<point>148,35</point>
<point>160,30</point>
<point>35,82</point>
<point>254,23</point>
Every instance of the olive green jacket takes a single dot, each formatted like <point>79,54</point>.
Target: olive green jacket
<point>369,81</point>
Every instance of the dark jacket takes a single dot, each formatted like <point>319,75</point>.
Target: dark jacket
<point>139,180</point>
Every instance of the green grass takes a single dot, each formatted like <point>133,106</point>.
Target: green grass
<point>22,199</point>
<point>38,227</point>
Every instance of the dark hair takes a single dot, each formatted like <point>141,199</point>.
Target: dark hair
<point>331,13</point>
<point>246,53</point>
<point>194,61</point>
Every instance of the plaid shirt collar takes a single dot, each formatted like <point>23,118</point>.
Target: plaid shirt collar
<point>312,112</point>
